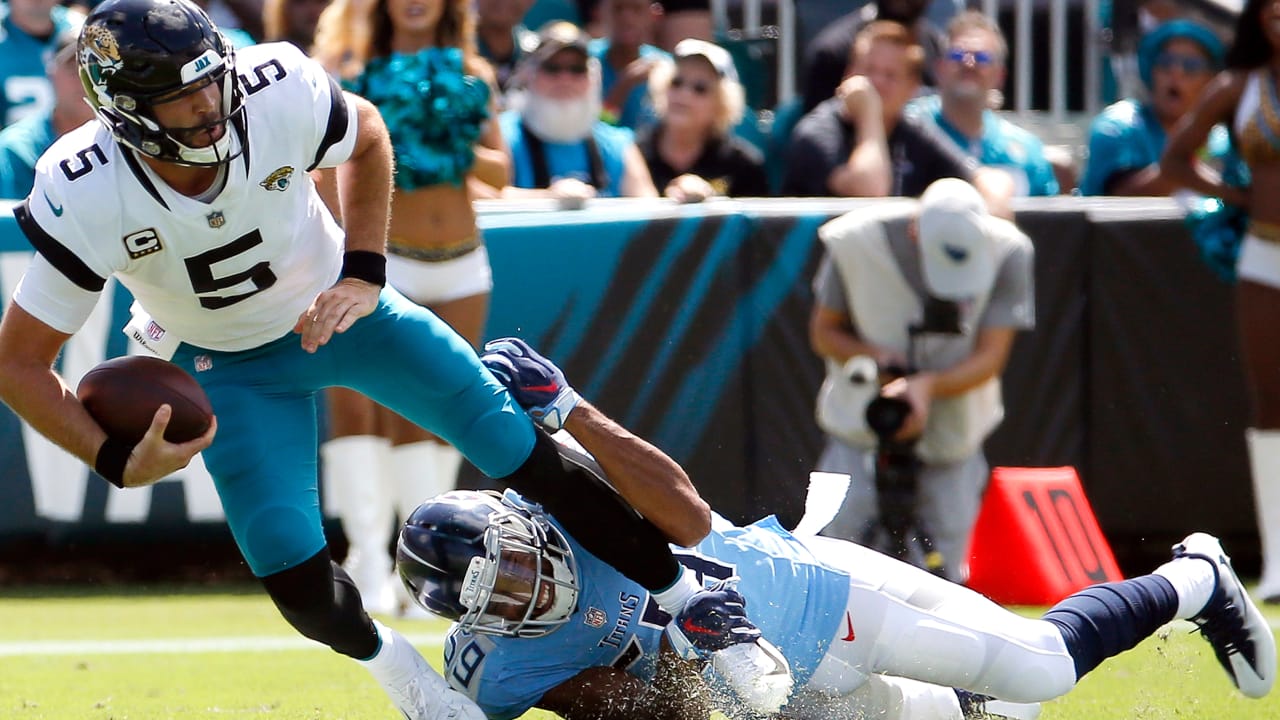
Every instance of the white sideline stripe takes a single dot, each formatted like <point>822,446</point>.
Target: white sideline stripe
<point>224,644</point>
<point>181,646</point>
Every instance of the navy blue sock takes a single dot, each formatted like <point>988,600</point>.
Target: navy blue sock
<point>1105,620</point>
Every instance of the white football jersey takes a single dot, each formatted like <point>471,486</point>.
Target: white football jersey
<point>230,274</point>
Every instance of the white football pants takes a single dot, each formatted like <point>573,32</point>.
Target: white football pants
<point>904,621</point>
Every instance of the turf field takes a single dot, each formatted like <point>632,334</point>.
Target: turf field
<point>223,653</point>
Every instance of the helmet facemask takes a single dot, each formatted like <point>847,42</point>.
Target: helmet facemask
<point>121,83</point>
<point>520,582</point>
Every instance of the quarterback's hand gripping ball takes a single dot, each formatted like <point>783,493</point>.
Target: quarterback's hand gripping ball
<point>123,394</point>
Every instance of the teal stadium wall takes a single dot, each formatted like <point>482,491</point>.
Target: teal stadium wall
<point>689,324</point>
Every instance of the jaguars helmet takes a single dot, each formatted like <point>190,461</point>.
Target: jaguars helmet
<point>134,54</point>
<point>493,563</point>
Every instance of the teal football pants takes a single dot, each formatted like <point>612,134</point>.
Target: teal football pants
<point>263,459</point>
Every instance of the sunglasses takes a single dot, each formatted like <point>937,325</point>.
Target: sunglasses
<point>696,86</point>
<point>578,69</point>
<point>1189,64</point>
<point>979,57</point>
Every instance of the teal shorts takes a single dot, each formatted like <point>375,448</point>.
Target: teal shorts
<point>263,459</point>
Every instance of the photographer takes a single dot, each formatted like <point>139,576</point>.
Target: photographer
<point>917,303</point>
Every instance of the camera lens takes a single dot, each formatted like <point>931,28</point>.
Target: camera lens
<point>885,415</point>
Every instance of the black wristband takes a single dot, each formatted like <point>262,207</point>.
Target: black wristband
<point>365,265</point>
<point>112,457</point>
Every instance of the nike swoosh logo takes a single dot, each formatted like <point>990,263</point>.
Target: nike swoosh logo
<point>57,209</point>
<point>849,624</point>
<point>689,627</point>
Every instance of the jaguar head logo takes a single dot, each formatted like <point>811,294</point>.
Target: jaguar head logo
<point>279,179</point>
<point>99,53</point>
<point>99,59</point>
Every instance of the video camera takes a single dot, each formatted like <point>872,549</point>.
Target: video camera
<point>897,470</point>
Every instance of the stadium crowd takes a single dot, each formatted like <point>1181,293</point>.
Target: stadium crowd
<point>692,118</point>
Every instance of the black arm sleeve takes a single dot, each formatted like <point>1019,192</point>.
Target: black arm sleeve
<point>573,489</point>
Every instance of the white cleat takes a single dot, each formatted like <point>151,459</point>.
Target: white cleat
<point>417,690</point>
<point>758,674</point>
<point>1233,625</point>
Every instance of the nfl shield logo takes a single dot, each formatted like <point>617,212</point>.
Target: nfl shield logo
<point>216,219</point>
<point>595,617</point>
<point>203,362</point>
<point>154,331</point>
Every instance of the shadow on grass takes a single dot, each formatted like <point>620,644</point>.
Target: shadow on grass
<point>115,590</point>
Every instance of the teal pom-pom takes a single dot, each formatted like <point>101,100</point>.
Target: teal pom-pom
<point>434,113</point>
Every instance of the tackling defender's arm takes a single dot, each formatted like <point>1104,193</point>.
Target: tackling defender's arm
<point>654,484</point>
<point>651,482</point>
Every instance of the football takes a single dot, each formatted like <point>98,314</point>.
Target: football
<point>123,394</point>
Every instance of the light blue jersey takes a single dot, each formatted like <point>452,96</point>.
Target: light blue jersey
<point>565,160</point>
<point>1002,145</point>
<point>1127,136</point>
<point>795,600</point>
<point>26,89</point>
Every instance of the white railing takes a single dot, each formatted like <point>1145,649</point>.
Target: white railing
<point>1021,64</point>
<point>752,26</point>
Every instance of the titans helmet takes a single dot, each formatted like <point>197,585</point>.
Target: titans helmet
<point>494,563</point>
<point>134,54</point>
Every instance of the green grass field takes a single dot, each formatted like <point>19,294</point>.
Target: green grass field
<point>224,653</point>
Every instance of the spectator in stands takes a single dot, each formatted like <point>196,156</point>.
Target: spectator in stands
<point>859,144</point>
<point>626,59</point>
<point>827,57</point>
<point>684,19</point>
<point>1176,61</point>
<point>559,146</point>
<point>437,97</point>
<point>22,143</point>
<point>1244,95</point>
<point>501,36</point>
<point>970,74</point>
<point>240,22</point>
<point>29,30</point>
<point>928,296</point>
<point>692,152</point>
<point>591,17</point>
<point>292,21</point>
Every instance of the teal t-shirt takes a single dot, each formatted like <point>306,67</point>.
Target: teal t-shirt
<point>1126,136</point>
<point>1002,145</point>
<point>638,109</point>
<point>21,145</point>
<point>26,89</point>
